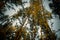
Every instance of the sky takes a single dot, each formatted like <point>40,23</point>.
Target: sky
<point>55,20</point>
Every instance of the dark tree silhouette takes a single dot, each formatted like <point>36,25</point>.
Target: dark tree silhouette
<point>55,6</point>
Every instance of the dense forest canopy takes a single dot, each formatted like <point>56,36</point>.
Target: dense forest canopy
<point>35,17</point>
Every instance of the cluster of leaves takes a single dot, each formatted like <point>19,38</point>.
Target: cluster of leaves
<point>12,1</point>
<point>8,3</point>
